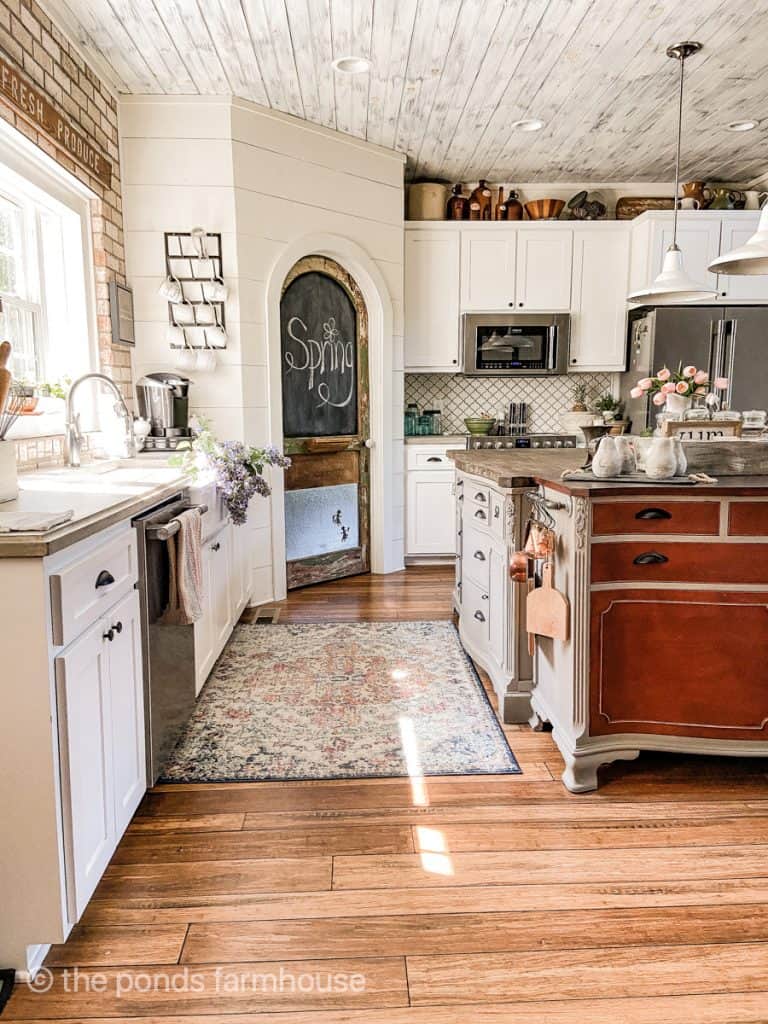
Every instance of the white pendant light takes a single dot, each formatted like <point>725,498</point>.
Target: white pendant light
<point>750,258</point>
<point>673,284</point>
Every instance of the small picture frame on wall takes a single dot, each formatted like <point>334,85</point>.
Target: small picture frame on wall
<point>121,312</point>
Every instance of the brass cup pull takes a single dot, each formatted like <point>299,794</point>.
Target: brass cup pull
<point>650,558</point>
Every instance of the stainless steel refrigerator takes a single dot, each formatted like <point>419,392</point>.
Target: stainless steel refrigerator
<point>727,341</point>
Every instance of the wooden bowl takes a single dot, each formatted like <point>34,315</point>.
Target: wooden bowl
<point>544,209</point>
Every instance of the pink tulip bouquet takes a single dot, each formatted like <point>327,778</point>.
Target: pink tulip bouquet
<point>685,381</point>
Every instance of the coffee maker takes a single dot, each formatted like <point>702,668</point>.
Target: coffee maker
<point>164,400</point>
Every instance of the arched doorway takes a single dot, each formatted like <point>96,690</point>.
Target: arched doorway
<point>325,402</point>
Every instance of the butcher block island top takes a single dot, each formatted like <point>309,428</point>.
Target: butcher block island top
<point>519,467</point>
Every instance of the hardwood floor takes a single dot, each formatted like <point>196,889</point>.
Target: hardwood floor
<point>477,900</point>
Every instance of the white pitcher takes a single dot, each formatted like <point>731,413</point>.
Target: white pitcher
<point>607,460</point>
<point>625,446</point>
<point>682,461</point>
<point>661,459</point>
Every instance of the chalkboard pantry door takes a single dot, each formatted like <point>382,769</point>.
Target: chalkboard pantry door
<point>324,371</point>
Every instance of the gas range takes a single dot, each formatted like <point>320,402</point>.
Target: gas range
<point>506,441</point>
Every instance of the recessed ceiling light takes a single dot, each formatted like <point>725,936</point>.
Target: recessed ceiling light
<point>741,126</point>
<point>352,65</point>
<point>529,124</point>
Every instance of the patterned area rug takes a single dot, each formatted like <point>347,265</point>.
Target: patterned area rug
<point>341,701</point>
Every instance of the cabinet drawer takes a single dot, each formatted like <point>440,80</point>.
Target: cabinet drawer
<point>676,562</point>
<point>477,494</point>
<point>475,613</point>
<point>477,555</point>
<point>656,517</point>
<point>748,519</point>
<point>474,515</point>
<point>427,457</point>
<point>81,591</point>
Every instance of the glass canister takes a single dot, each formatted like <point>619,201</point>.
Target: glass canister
<point>436,420</point>
<point>411,419</point>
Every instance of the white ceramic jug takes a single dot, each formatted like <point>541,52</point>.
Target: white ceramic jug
<point>661,459</point>
<point>625,446</point>
<point>607,460</point>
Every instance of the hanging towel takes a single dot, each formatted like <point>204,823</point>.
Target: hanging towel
<point>33,522</point>
<point>185,575</point>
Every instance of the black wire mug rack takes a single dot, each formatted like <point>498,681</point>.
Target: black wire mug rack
<point>193,259</point>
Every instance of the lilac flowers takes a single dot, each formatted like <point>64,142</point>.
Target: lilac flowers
<point>238,469</point>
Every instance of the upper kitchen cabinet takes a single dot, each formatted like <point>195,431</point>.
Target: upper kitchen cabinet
<point>702,237</point>
<point>737,229</point>
<point>488,262</point>
<point>432,301</point>
<point>544,268</point>
<point>600,282</point>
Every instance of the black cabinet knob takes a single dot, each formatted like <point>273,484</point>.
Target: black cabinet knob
<point>216,546</point>
<point>109,635</point>
<point>118,627</point>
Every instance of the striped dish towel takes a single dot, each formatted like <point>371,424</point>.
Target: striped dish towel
<point>185,591</point>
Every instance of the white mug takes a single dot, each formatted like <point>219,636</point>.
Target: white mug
<point>754,200</point>
<point>688,203</point>
<point>205,358</point>
<point>171,289</point>
<point>217,292</point>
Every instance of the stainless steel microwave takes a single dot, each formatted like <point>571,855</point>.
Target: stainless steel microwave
<point>515,344</point>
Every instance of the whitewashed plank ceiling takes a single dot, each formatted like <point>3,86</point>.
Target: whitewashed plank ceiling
<point>449,77</point>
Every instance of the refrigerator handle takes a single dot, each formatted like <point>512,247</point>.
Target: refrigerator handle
<point>729,356</point>
<point>716,358</point>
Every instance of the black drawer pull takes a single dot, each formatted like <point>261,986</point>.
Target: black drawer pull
<point>653,513</point>
<point>105,579</point>
<point>480,514</point>
<point>479,556</point>
<point>118,627</point>
<point>479,616</point>
<point>480,497</point>
<point>434,458</point>
<point>650,558</point>
<point>109,635</point>
<point>216,546</point>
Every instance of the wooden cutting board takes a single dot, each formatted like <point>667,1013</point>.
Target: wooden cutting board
<point>547,610</point>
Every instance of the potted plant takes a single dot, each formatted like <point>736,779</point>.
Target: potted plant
<point>237,468</point>
<point>608,407</point>
<point>676,389</point>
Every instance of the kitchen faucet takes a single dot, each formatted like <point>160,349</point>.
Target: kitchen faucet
<point>74,437</point>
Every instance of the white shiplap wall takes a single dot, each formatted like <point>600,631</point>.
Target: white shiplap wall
<point>264,180</point>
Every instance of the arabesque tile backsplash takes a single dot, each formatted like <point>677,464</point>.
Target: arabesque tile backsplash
<point>458,396</point>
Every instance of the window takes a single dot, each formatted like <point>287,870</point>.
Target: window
<point>46,277</point>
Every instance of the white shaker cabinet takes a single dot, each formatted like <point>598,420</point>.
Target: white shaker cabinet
<point>544,268</point>
<point>85,736</point>
<point>432,301</point>
<point>127,702</point>
<point>488,261</point>
<point>430,500</point>
<point>213,628</point>
<point>600,285</point>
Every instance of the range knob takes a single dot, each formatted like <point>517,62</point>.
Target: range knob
<point>547,444</point>
<point>535,444</point>
<point>499,444</point>
<point>558,443</point>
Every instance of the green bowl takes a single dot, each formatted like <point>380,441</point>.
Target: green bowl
<point>479,424</point>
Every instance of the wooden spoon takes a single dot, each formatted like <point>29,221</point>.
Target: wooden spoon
<point>5,375</point>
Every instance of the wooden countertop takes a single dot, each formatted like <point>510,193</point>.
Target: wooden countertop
<point>736,485</point>
<point>519,467</point>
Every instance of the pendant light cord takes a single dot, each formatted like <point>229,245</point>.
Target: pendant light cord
<point>677,156</point>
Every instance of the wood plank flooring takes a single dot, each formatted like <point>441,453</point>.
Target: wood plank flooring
<point>436,901</point>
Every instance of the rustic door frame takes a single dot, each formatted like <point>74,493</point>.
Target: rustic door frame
<point>370,280</point>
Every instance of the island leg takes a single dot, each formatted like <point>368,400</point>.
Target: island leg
<point>580,775</point>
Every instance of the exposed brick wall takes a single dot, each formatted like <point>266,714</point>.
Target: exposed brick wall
<point>30,41</point>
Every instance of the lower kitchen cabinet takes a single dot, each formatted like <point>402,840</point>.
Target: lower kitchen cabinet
<point>490,605</point>
<point>127,698</point>
<point>213,629</point>
<point>430,528</point>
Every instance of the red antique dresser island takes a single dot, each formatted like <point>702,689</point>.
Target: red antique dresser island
<point>668,641</point>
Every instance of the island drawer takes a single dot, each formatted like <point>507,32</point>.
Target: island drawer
<point>656,517</point>
<point>475,514</point>
<point>478,494</point>
<point>748,519</point>
<point>475,617</point>
<point>476,549</point>
<point>659,561</point>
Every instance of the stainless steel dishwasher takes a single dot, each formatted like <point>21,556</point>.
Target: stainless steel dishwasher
<point>168,652</point>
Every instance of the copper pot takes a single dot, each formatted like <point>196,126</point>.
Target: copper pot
<point>518,566</point>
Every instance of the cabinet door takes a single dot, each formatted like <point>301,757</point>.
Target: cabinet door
<point>720,695</point>
<point>432,300</point>
<point>699,242</point>
<point>126,689</point>
<point>544,266</point>
<point>239,570</point>
<point>600,285</point>
<point>204,627</point>
<point>497,605</point>
<point>488,269</point>
<point>431,513</point>
<point>85,736</point>
<point>741,288</point>
<point>221,612</point>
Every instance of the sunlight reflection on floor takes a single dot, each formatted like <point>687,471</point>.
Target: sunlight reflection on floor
<point>413,762</point>
<point>432,849</point>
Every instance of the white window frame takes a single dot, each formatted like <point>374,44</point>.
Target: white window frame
<point>40,174</point>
